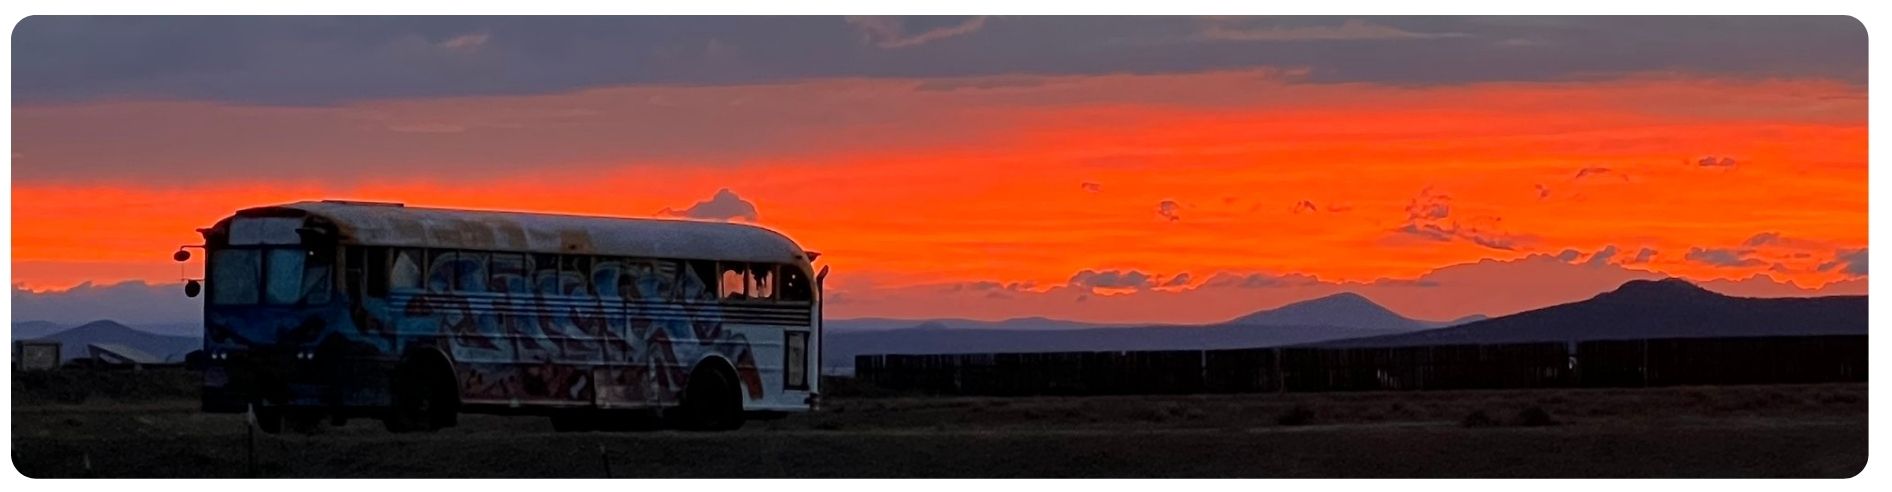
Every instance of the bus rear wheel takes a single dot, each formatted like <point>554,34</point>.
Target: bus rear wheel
<point>711,402</point>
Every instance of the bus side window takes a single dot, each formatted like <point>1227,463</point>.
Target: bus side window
<point>440,270</point>
<point>761,281</point>
<point>607,275</point>
<point>734,281</point>
<point>795,286</point>
<point>544,270</point>
<point>374,266</point>
<point>352,272</point>
<point>407,271</point>
<point>575,275</point>
<point>508,274</point>
<point>469,272</point>
<point>697,282</point>
<point>663,281</point>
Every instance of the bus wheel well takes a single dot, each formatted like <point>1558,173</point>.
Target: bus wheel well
<point>718,364</point>
<point>712,397</point>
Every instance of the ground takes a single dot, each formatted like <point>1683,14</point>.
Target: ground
<point>1752,431</point>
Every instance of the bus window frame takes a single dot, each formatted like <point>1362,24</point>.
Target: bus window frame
<point>774,279</point>
<point>781,272</point>
<point>722,269</point>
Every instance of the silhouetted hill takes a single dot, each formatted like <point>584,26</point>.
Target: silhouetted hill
<point>1030,324</point>
<point>73,341</point>
<point>1338,316</point>
<point>24,330</point>
<point>1649,309</point>
<point>1345,309</point>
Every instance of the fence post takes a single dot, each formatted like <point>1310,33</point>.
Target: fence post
<point>250,425</point>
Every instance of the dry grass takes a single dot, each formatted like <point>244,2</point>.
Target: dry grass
<point>1813,430</point>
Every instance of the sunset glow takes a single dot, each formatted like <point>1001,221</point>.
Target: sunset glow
<point>918,190</point>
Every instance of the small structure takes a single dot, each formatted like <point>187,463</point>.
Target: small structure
<point>36,355</point>
<point>115,355</point>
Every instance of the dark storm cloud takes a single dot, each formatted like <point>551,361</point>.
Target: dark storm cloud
<point>1111,279</point>
<point>322,60</point>
<point>1169,210</point>
<point>1259,280</point>
<point>1602,256</point>
<point>1429,217</point>
<point>135,303</point>
<point>1722,257</point>
<point>725,205</point>
<point>1852,262</point>
<point>1642,256</point>
<point>1598,172</point>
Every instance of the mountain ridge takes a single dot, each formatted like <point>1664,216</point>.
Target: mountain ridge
<point>1667,308</point>
<point>73,341</point>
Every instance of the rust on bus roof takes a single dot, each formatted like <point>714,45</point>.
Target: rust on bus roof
<point>379,224</point>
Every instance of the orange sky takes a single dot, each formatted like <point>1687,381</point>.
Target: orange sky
<point>910,183</point>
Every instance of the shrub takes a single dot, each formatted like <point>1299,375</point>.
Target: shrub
<point>1298,415</point>
<point>1478,418</point>
<point>1535,417</point>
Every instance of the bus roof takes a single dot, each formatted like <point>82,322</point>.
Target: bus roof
<point>389,224</point>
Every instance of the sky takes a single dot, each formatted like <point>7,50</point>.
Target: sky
<point>1115,169</point>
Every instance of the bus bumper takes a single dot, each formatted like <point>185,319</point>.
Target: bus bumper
<point>231,386</point>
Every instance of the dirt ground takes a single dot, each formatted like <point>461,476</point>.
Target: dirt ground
<point>1756,431</point>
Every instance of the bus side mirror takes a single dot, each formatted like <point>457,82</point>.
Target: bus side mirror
<point>181,256</point>
<point>192,288</point>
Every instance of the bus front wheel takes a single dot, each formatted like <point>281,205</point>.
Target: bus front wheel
<point>424,401</point>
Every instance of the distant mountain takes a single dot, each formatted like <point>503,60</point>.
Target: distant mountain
<point>1021,324</point>
<point>73,341</point>
<point>1337,316</point>
<point>1345,309</point>
<point>25,330</point>
<point>34,329</point>
<point>1649,309</point>
<point>191,329</point>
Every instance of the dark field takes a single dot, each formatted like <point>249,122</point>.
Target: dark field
<point>1749,431</point>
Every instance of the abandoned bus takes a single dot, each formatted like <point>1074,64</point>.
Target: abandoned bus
<point>414,315</point>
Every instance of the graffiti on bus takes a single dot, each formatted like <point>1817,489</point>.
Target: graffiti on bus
<point>528,332</point>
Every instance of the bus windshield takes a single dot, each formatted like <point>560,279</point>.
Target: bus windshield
<point>278,276</point>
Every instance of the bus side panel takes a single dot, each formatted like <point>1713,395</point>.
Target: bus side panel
<point>565,350</point>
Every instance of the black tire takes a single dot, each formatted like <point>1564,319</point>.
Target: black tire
<point>711,401</point>
<point>425,399</point>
